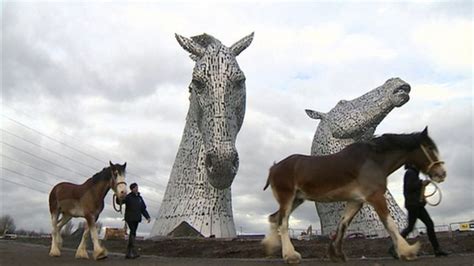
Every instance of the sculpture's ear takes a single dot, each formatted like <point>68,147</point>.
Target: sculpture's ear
<point>315,114</point>
<point>196,50</point>
<point>241,45</point>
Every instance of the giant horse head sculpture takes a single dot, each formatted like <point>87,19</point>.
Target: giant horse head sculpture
<point>357,119</point>
<point>218,98</point>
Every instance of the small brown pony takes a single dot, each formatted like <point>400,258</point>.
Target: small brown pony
<point>86,200</point>
<point>357,174</point>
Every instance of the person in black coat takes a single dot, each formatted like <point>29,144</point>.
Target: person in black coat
<point>413,191</point>
<point>134,209</point>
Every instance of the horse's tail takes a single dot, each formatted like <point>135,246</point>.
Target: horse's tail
<point>268,178</point>
<point>266,185</point>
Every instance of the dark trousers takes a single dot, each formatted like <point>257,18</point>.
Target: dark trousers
<point>131,251</point>
<point>419,212</point>
<point>133,228</point>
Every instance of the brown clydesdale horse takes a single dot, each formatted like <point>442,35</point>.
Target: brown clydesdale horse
<point>357,175</point>
<point>85,200</point>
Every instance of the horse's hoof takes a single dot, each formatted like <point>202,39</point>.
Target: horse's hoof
<point>271,246</point>
<point>341,257</point>
<point>336,256</point>
<point>410,253</point>
<point>99,255</point>
<point>293,258</point>
<point>55,253</point>
<point>82,255</point>
<point>409,257</point>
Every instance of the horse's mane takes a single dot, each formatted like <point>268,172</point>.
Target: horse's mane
<point>101,176</point>
<point>388,142</point>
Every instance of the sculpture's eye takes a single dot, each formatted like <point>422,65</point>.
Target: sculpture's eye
<point>198,86</point>
<point>239,82</point>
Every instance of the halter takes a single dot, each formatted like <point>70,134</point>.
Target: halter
<point>119,209</point>
<point>432,162</point>
<point>125,183</point>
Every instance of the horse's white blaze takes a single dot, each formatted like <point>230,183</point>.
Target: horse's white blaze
<point>122,186</point>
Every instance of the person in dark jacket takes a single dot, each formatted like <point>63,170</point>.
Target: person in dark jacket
<point>134,209</point>
<point>413,191</point>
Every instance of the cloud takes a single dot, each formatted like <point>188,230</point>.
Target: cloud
<point>91,54</point>
<point>446,43</point>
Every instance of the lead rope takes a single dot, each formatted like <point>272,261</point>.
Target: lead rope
<point>424,197</point>
<point>115,207</point>
<point>115,197</point>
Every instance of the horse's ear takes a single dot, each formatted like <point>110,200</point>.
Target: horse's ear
<point>111,164</point>
<point>196,50</point>
<point>424,133</point>
<point>315,114</point>
<point>124,165</point>
<point>241,45</point>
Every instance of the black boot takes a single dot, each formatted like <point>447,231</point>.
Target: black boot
<point>133,252</point>
<point>129,254</point>
<point>440,253</point>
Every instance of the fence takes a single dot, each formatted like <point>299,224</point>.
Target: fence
<point>306,234</point>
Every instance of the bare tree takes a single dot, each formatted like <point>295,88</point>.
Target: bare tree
<point>7,224</point>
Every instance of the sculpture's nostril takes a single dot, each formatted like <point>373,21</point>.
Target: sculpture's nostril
<point>235,158</point>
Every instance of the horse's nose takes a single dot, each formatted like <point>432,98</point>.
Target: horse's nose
<point>443,174</point>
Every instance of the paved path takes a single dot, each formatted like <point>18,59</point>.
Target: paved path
<point>16,253</point>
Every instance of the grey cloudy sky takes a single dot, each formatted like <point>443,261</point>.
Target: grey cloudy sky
<point>85,83</point>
